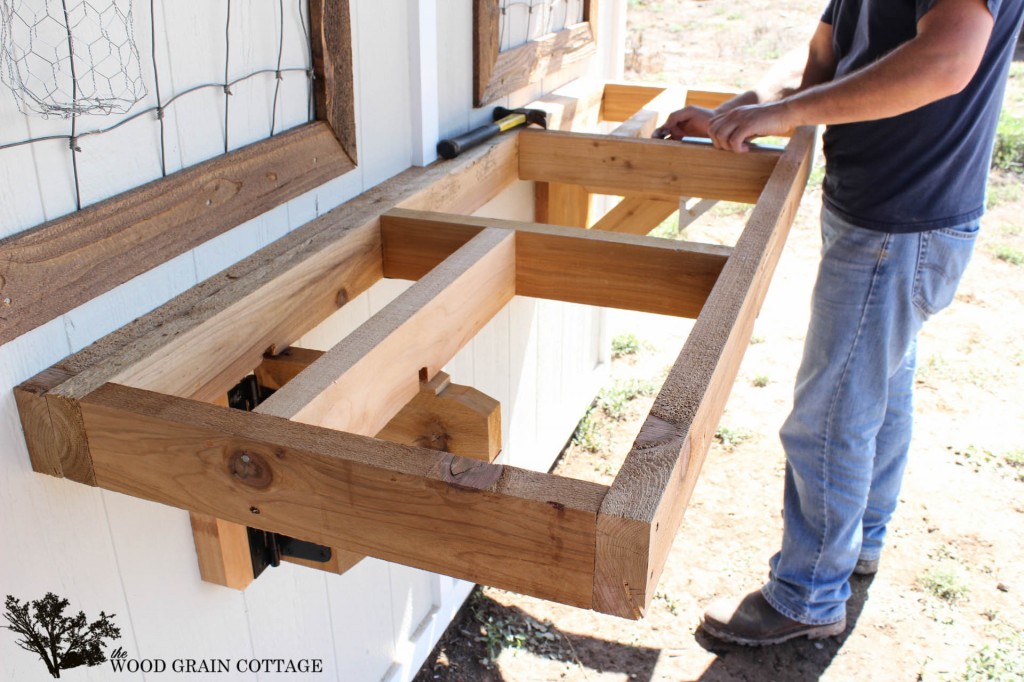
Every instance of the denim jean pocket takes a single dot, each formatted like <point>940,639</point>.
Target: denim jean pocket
<point>942,259</point>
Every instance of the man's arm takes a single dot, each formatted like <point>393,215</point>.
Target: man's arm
<point>940,61</point>
<point>785,78</point>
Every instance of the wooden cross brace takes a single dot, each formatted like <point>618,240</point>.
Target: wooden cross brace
<point>133,413</point>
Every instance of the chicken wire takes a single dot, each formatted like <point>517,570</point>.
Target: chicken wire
<point>70,57</point>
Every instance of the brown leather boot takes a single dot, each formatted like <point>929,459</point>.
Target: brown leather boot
<point>752,621</point>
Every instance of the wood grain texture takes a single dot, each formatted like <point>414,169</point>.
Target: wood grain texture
<point>51,269</point>
<point>619,166</point>
<point>557,203</point>
<point>566,264</point>
<point>645,505</point>
<point>651,115</point>
<point>360,385</point>
<point>450,418</point>
<point>497,73</point>
<point>222,548</point>
<point>331,48</point>
<point>620,101</point>
<point>492,524</point>
<point>636,215</point>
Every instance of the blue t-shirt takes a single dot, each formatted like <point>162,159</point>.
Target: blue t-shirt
<point>927,168</point>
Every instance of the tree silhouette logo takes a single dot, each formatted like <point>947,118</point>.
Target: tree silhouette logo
<point>61,641</point>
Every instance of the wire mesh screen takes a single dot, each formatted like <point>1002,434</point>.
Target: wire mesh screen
<point>70,57</point>
<point>525,20</point>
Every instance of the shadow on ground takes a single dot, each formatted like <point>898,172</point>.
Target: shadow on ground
<point>797,660</point>
<point>484,627</point>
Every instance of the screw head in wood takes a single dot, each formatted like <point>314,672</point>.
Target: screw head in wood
<point>250,469</point>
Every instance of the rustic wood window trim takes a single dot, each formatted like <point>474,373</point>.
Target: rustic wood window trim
<point>497,73</point>
<point>132,413</point>
<point>51,269</point>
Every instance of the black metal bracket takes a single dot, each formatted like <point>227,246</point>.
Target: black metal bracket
<point>265,548</point>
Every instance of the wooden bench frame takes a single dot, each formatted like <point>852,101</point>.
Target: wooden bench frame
<point>132,413</point>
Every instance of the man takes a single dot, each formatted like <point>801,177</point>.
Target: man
<point>910,92</point>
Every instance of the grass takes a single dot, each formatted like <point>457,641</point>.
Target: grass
<point>587,435</point>
<point>615,400</point>
<point>1008,154</point>
<point>945,582</point>
<point>1009,254</point>
<point>1001,661</point>
<point>626,344</point>
<point>761,380</point>
<point>730,438</point>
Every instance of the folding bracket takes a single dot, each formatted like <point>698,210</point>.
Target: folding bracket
<point>267,549</point>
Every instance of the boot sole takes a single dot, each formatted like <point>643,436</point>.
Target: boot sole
<point>812,632</point>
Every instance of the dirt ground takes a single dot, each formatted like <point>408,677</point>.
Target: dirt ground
<point>948,602</point>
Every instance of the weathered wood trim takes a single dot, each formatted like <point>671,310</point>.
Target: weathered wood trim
<point>496,73</point>
<point>614,165</point>
<point>51,269</point>
<point>642,511</point>
<point>333,91</point>
<point>487,523</point>
<point>566,264</point>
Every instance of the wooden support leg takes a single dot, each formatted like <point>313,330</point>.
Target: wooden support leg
<point>558,203</point>
<point>637,215</point>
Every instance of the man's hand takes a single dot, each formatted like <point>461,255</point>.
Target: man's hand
<point>687,122</point>
<point>733,129</point>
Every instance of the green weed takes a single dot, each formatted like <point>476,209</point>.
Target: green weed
<point>626,344</point>
<point>1008,154</point>
<point>668,229</point>
<point>587,435</point>
<point>945,582</point>
<point>761,380</point>
<point>1002,661</point>
<point>730,438</point>
<point>1010,255</point>
<point>615,399</point>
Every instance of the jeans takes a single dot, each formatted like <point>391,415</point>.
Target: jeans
<point>848,435</point>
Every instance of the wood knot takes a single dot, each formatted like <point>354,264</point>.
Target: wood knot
<point>342,297</point>
<point>656,430</point>
<point>250,469</point>
<point>463,472</point>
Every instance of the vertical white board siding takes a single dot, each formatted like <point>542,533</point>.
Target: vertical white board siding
<point>381,38</point>
<point>423,63</point>
<point>455,66</point>
<point>521,448</point>
<point>289,618</point>
<point>191,53</point>
<point>174,614</point>
<point>361,616</point>
<point>254,41</point>
<point>56,532</point>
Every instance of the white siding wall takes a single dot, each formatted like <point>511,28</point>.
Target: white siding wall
<point>106,551</point>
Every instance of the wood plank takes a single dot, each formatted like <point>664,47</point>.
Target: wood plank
<point>566,264</point>
<point>450,418</point>
<point>496,525</point>
<point>610,165</point>
<point>361,383</point>
<point>651,115</point>
<point>518,67</point>
<point>637,215</point>
<point>51,269</point>
<point>709,99</point>
<point>486,45</point>
<point>222,548</point>
<point>201,342</point>
<point>442,416</point>
<point>331,47</point>
<point>623,100</point>
<point>642,512</point>
<point>557,203</point>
